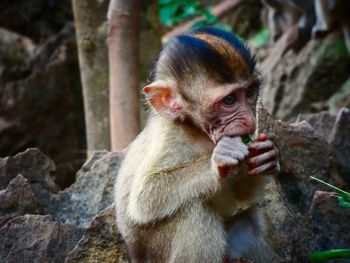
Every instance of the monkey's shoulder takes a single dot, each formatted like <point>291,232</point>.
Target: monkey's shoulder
<point>164,145</point>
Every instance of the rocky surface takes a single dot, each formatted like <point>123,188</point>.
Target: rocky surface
<point>64,215</point>
<point>32,164</point>
<point>341,98</point>
<point>14,49</point>
<point>37,238</point>
<point>340,143</point>
<point>41,105</point>
<point>305,220</point>
<point>300,78</point>
<point>325,226</point>
<point>322,122</point>
<point>36,19</point>
<point>17,199</point>
<point>91,192</point>
<point>101,241</point>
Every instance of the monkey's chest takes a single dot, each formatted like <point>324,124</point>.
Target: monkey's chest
<point>225,202</point>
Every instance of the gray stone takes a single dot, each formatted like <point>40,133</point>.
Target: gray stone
<point>321,122</point>
<point>17,199</point>
<point>41,104</point>
<point>341,98</point>
<point>101,241</point>
<point>298,80</point>
<point>91,193</point>
<point>302,221</point>
<point>340,143</point>
<point>326,226</point>
<point>33,165</point>
<point>37,238</point>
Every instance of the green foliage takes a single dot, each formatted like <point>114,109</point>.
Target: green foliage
<point>173,12</point>
<point>339,96</point>
<point>329,254</point>
<point>341,49</point>
<point>332,49</point>
<point>260,39</point>
<point>344,201</point>
<point>246,139</point>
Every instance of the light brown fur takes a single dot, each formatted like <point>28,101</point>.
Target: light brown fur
<point>161,224</point>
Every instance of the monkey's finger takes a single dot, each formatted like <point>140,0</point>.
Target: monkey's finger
<point>224,171</point>
<point>256,148</point>
<point>262,158</point>
<point>224,160</point>
<point>268,168</point>
<point>233,144</point>
<point>240,155</point>
<point>262,137</point>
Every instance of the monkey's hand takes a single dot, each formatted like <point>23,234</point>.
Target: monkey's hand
<point>262,159</point>
<point>227,154</point>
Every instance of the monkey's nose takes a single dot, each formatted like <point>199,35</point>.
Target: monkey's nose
<point>250,125</point>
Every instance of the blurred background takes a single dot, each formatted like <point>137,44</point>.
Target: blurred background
<point>71,75</point>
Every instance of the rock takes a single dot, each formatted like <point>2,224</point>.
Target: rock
<point>326,226</point>
<point>243,19</point>
<point>321,122</point>
<point>341,98</point>
<point>302,154</point>
<point>299,78</point>
<point>101,241</point>
<point>33,165</point>
<point>36,19</point>
<point>78,204</point>
<point>37,238</point>
<point>17,199</point>
<point>14,49</point>
<point>92,191</point>
<point>301,220</point>
<point>340,143</point>
<point>35,99</point>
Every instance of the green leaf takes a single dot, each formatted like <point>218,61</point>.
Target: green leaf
<point>329,254</point>
<point>343,202</point>
<point>341,49</point>
<point>246,139</point>
<point>191,9</point>
<point>188,10</point>
<point>167,13</point>
<point>164,2</point>
<point>210,18</point>
<point>199,24</point>
<point>260,39</point>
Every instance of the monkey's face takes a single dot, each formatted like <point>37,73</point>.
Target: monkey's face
<point>207,76</point>
<point>231,111</point>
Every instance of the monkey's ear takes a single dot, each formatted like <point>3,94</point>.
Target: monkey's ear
<point>164,99</point>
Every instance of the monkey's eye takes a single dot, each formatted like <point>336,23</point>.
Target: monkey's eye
<point>229,100</point>
<point>251,91</point>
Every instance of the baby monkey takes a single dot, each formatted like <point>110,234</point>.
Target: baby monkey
<point>185,188</point>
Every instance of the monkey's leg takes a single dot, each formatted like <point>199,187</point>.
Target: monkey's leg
<point>249,237</point>
<point>200,237</point>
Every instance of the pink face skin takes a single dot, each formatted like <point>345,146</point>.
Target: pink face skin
<point>233,112</point>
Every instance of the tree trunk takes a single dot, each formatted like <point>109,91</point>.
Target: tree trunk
<point>90,27</point>
<point>123,41</point>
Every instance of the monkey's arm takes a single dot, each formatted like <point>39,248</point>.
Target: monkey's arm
<point>247,164</point>
<point>158,194</point>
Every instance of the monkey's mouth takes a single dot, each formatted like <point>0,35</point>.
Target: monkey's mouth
<point>230,130</point>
